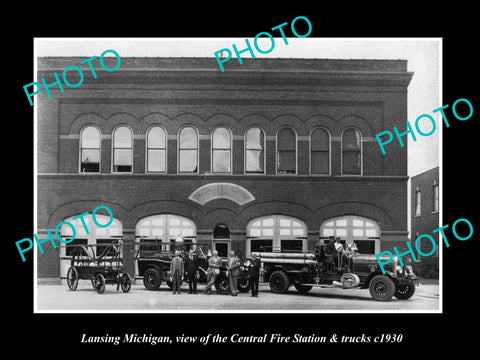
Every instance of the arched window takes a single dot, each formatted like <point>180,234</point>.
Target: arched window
<point>156,150</point>
<point>254,151</point>
<point>320,151</point>
<point>277,233</point>
<point>221,150</point>
<point>122,149</point>
<point>188,150</point>
<point>286,151</point>
<point>90,150</point>
<point>363,231</point>
<point>352,152</point>
<point>158,232</point>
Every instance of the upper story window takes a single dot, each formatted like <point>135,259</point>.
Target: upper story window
<point>156,150</point>
<point>188,150</point>
<point>90,150</point>
<point>320,151</point>
<point>254,151</point>
<point>286,151</point>
<point>352,152</point>
<point>122,149</point>
<point>221,150</point>
<point>436,197</point>
<point>418,202</point>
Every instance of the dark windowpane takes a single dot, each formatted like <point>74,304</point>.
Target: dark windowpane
<point>291,245</point>
<point>156,160</point>
<point>188,161</point>
<point>70,247</point>
<point>320,162</point>
<point>222,249</point>
<point>105,250</point>
<point>351,162</point>
<point>286,139</point>
<point>366,247</point>
<point>221,232</point>
<point>261,245</point>
<point>351,139</point>
<point>320,140</point>
<point>286,162</point>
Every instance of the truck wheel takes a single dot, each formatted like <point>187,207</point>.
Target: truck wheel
<point>151,279</point>
<point>72,278</point>
<point>100,281</point>
<point>243,284</point>
<point>303,289</point>
<point>279,282</point>
<point>404,291</point>
<point>382,288</point>
<point>222,285</point>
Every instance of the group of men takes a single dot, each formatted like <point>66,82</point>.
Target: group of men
<point>189,268</point>
<point>343,254</point>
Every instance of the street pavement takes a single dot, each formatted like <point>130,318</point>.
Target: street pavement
<point>53,298</point>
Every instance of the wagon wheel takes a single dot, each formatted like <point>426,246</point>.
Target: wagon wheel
<point>100,282</point>
<point>125,282</point>
<point>72,278</point>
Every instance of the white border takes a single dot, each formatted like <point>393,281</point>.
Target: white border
<point>103,43</point>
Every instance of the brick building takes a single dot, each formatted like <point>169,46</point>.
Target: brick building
<point>271,154</point>
<point>425,205</point>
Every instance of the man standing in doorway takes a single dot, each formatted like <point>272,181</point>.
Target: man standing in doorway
<point>192,268</point>
<point>254,274</point>
<point>176,270</point>
<point>233,272</point>
<point>214,265</point>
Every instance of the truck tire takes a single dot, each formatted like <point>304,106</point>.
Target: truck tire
<point>243,284</point>
<point>404,291</point>
<point>382,288</point>
<point>303,289</point>
<point>151,279</point>
<point>222,285</point>
<point>279,282</point>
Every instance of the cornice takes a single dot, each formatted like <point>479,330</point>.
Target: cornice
<point>368,79</point>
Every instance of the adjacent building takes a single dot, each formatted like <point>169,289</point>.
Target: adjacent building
<point>425,205</point>
<point>273,154</point>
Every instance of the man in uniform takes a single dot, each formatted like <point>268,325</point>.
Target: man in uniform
<point>214,265</point>
<point>233,272</point>
<point>176,270</point>
<point>191,269</point>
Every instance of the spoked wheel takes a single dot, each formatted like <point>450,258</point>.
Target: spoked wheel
<point>243,284</point>
<point>382,288</point>
<point>72,278</point>
<point>279,282</point>
<point>404,291</point>
<point>151,279</point>
<point>100,283</point>
<point>222,285</point>
<point>125,282</point>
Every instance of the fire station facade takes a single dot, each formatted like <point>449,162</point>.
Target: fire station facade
<point>273,154</point>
